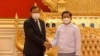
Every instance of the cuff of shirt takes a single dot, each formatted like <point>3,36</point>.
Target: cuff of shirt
<point>52,44</point>
<point>77,53</point>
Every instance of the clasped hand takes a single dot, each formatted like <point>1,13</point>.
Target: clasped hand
<point>47,45</point>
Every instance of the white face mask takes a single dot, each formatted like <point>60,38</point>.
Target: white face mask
<point>66,20</point>
<point>36,15</point>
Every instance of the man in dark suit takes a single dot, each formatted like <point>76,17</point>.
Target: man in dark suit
<point>35,40</point>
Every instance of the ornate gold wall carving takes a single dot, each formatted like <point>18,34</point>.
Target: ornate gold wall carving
<point>75,6</point>
<point>52,4</point>
<point>83,6</point>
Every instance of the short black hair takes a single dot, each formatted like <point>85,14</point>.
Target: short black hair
<point>33,7</point>
<point>70,14</point>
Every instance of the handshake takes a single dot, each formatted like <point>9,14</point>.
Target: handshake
<point>48,45</point>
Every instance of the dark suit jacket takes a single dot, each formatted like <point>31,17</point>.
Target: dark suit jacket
<point>34,39</point>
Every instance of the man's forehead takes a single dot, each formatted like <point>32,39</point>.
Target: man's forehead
<point>36,10</point>
<point>67,14</point>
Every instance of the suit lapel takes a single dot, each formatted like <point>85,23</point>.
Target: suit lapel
<point>35,26</point>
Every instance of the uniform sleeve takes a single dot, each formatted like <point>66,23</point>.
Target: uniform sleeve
<point>54,42</point>
<point>78,41</point>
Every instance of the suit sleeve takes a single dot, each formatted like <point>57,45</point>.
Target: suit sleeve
<point>44,31</point>
<point>30,34</point>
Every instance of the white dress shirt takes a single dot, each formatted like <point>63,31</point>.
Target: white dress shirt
<point>38,22</point>
<point>68,39</point>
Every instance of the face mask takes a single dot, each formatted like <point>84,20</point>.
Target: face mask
<point>66,20</point>
<point>36,15</point>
